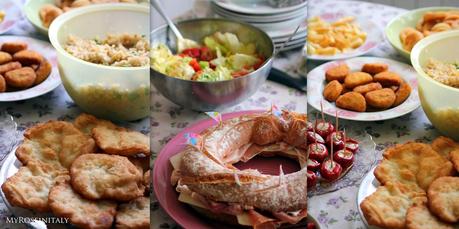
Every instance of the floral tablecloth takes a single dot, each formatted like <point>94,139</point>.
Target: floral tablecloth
<point>51,106</point>
<point>339,209</point>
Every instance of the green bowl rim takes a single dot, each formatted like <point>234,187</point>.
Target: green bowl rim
<point>62,19</point>
<point>421,45</point>
<point>28,10</point>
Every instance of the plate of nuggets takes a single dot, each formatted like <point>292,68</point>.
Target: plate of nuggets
<point>364,88</point>
<point>91,172</point>
<point>28,68</point>
<point>415,186</point>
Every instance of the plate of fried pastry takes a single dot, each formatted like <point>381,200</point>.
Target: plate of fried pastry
<point>414,186</point>
<point>92,172</point>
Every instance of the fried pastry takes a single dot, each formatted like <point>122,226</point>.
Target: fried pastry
<point>43,71</point>
<point>332,91</point>
<point>83,213</point>
<point>455,158</point>
<point>419,217</point>
<point>86,122</point>
<point>374,68</point>
<point>363,89</point>
<point>409,37</point>
<point>21,78</point>
<point>29,187</point>
<point>5,57</point>
<point>2,84</point>
<point>381,99</point>
<point>62,137</point>
<point>4,68</point>
<point>355,79</point>
<point>402,93</point>
<point>13,47</point>
<point>103,176</point>
<point>444,146</point>
<point>134,215</point>
<point>388,205</point>
<point>121,141</point>
<point>352,101</point>
<point>48,13</point>
<point>146,179</point>
<point>30,151</point>
<point>387,79</point>
<point>337,73</point>
<point>443,196</point>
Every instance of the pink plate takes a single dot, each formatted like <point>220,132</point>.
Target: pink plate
<point>168,197</point>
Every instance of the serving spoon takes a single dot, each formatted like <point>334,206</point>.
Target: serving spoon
<point>182,43</point>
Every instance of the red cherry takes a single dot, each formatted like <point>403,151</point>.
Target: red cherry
<point>352,145</point>
<point>314,138</point>
<point>312,179</point>
<point>344,157</point>
<point>317,151</point>
<point>330,170</point>
<point>313,165</point>
<point>338,140</point>
<point>324,128</point>
<point>309,126</point>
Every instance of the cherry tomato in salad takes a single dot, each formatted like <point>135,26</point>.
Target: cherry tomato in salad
<point>195,65</point>
<point>192,52</point>
<point>207,54</point>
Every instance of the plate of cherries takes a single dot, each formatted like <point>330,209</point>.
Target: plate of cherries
<point>337,158</point>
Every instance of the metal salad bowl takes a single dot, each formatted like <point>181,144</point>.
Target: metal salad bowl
<point>212,96</point>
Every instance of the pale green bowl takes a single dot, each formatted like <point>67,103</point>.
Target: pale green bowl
<point>409,19</point>
<point>31,9</point>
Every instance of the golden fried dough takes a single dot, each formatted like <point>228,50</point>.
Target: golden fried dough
<point>86,122</point>
<point>121,141</point>
<point>2,84</point>
<point>30,151</point>
<point>9,67</point>
<point>419,217</point>
<point>355,79</point>
<point>374,68</point>
<point>444,146</point>
<point>134,215</point>
<point>83,213</point>
<point>402,93</point>
<point>381,99</point>
<point>337,73</point>
<point>29,187</point>
<point>352,101</point>
<point>443,196</point>
<point>43,71</point>
<point>5,57</point>
<point>48,13</point>
<point>388,205</point>
<point>387,79</point>
<point>28,57</point>
<point>62,137</point>
<point>20,78</point>
<point>363,89</point>
<point>409,37</point>
<point>13,47</point>
<point>103,176</point>
<point>332,90</point>
<point>413,164</point>
<point>455,158</point>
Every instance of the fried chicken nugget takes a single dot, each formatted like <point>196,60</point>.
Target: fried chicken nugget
<point>134,215</point>
<point>443,198</point>
<point>363,89</point>
<point>29,187</point>
<point>2,84</point>
<point>62,137</point>
<point>420,217</point>
<point>28,57</point>
<point>13,47</point>
<point>121,141</point>
<point>83,213</point>
<point>332,91</point>
<point>337,73</point>
<point>381,99</point>
<point>374,68</point>
<point>444,146</point>
<point>402,93</point>
<point>103,176</point>
<point>4,68</point>
<point>355,79</point>
<point>352,101</point>
<point>48,13</point>
<point>388,205</point>
<point>43,71</point>
<point>21,78</point>
<point>387,79</point>
<point>5,57</point>
<point>86,122</point>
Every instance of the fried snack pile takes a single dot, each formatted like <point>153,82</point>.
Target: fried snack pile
<point>49,12</point>
<point>430,23</point>
<point>21,68</point>
<point>341,36</point>
<point>84,171</point>
<point>373,88</point>
<point>418,188</point>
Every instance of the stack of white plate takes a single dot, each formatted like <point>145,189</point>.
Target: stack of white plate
<point>279,18</point>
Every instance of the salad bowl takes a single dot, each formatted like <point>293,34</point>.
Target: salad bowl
<point>215,95</point>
